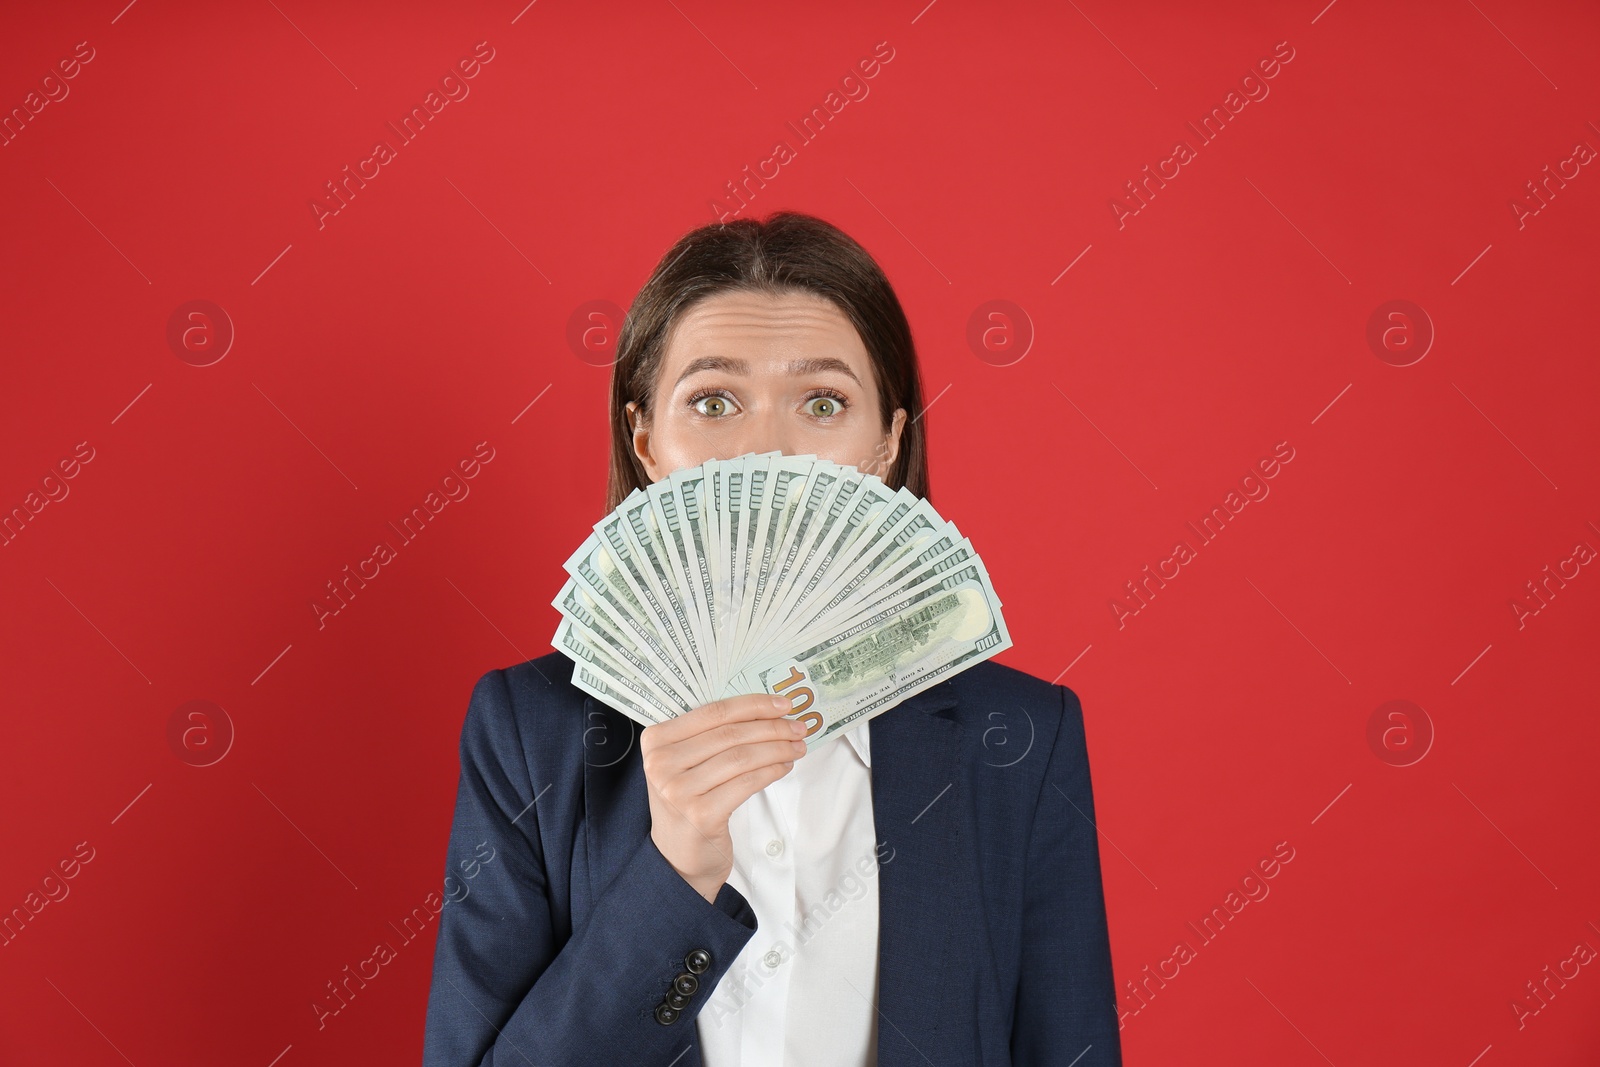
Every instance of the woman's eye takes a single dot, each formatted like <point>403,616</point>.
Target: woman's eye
<point>823,407</point>
<point>712,405</point>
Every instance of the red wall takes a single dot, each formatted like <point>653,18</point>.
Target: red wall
<point>1176,342</point>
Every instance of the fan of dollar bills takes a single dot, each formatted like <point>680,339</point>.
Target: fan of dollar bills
<point>780,574</point>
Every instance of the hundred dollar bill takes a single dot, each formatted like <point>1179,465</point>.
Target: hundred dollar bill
<point>838,505</point>
<point>597,686</point>
<point>730,510</point>
<point>583,620</point>
<point>692,525</point>
<point>727,499</point>
<point>619,678</point>
<point>911,578</point>
<point>850,515</point>
<point>756,471</point>
<point>645,540</point>
<point>704,584</point>
<point>907,534</point>
<point>784,492</point>
<point>596,573</point>
<point>810,512</point>
<point>910,574</point>
<point>946,626</point>
<point>671,527</point>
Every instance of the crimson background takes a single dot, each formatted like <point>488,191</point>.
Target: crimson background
<point>1229,314</point>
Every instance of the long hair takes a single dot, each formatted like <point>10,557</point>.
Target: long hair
<point>787,252</point>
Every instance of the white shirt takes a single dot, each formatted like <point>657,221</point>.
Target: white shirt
<point>804,989</point>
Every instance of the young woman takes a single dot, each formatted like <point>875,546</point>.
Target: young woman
<point>923,890</point>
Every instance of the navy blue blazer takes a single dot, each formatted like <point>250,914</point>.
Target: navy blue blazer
<point>564,927</point>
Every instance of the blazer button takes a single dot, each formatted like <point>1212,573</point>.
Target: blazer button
<point>666,1014</point>
<point>697,962</point>
<point>677,1000</point>
<point>686,984</point>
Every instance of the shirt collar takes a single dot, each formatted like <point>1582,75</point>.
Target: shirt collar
<point>929,701</point>
<point>861,741</point>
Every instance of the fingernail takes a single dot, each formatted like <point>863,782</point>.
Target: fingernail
<point>781,702</point>
<point>797,728</point>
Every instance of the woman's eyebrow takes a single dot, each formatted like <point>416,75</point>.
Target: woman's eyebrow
<point>794,368</point>
<point>818,365</point>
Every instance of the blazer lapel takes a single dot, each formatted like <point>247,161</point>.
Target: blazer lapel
<point>916,805</point>
<point>922,847</point>
<point>616,807</point>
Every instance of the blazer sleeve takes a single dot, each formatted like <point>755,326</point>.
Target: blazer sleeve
<point>1066,1010</point>
<point>504,991</point>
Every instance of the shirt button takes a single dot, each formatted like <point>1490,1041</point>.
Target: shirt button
<point>772,959</point>
<point>775,847</point>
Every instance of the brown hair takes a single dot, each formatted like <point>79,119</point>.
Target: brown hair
<point>787,252</point>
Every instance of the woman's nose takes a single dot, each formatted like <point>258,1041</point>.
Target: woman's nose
<point>765,433</point>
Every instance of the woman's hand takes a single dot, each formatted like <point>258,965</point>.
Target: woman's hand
<point>702,765</point>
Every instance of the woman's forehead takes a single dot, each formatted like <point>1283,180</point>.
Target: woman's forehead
<point>745,324</point>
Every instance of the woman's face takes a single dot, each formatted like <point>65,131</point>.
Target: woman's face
<point>748,372</point>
